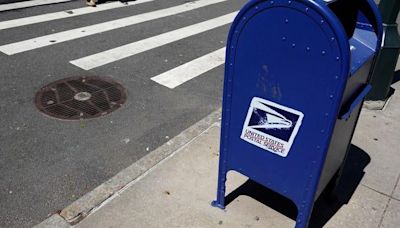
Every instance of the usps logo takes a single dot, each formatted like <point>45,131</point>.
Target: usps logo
<point>271,126</point>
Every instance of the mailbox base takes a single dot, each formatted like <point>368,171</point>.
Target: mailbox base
<point>217,204</point>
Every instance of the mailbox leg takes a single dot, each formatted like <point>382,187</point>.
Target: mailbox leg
<point>303,216</point>
<point>220,201</point>
<point>334,183</point>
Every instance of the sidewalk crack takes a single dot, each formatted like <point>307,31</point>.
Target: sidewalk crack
<point>384,194</point>
<point>388,202</point>
<point>394,189</point>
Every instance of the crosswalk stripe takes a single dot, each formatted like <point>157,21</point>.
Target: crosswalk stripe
<point>25,4</point>
<point>43,41</point>
<point>115,54</point>
<point>64,14</point>
<point>190,70</point>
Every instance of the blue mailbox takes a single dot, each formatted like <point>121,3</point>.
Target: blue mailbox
<point>296,74</point>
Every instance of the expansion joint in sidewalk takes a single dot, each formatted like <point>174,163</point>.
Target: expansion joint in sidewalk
<point>388,202</point>
<point>381,193</point>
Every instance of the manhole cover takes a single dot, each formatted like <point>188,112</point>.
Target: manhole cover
<point>77,98</point>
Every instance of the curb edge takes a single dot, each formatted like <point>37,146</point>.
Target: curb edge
<point>89,203</point>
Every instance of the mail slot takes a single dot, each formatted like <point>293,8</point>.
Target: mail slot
<point>296,75</point>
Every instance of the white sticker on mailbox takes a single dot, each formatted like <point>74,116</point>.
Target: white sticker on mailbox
<point>271,126</point>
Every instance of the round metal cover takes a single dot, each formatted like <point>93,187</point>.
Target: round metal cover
<point>78,98</point>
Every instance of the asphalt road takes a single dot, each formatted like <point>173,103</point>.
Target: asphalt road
<point>46,163</point>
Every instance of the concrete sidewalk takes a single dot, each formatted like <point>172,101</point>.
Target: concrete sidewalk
<point>177,192</point>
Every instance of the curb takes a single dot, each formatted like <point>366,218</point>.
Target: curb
<point>87,204</point>
<point>54,221</point>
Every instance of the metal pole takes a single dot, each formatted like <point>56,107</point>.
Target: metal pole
<point>383,72</point>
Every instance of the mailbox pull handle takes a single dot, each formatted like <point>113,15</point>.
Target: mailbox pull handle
<point>356,102</point>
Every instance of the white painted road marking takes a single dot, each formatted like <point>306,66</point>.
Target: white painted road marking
<point>65,14</point>
<point>25,4</point>
<point>31,44</point>
<point>190,70</point>
<point>115,54</point>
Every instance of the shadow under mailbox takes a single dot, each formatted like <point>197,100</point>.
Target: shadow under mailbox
<point>325,207</point>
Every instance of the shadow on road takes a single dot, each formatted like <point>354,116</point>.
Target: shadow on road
<point>325,208</point>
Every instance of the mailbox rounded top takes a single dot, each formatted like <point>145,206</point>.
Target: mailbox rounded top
<point>291,11</point>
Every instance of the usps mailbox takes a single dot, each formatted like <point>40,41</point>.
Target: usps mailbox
<point>296,74</point>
